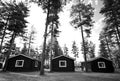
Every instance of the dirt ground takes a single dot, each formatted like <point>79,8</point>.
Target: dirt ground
<point>59,76</point>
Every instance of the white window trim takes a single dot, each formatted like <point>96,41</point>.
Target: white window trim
<point>36,63</point>
<point>64,62</point>
<point>16,64</point>
<point>102,63</point>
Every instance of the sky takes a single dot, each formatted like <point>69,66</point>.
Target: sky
<point>68,33</point>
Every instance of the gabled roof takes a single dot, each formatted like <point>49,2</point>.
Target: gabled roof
<point>63,56</point>
<point>97,58</point>
<point>24,56</point>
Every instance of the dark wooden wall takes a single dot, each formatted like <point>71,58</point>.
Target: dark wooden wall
<point>70,65</point>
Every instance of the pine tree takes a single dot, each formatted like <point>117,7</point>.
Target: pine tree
<point>82,18</point>
<point>103,49</point>
<point>75,50</point>
<point>52,8</point>
<point>111,12</point>
<point>17,24</point>
<point>65,48</point>
<point>91,49</point>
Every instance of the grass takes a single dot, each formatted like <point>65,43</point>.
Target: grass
<point>59,76</point>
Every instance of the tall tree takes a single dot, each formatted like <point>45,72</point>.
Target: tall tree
<point>75,50</point>
<point>17,23</point>
<point>51,7</point>
<point>108,40</point>
<point>82,18</point>
<point>111,12</point>
<point>30,39</point>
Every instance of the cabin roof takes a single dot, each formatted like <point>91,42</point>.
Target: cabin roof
<point>63,56</point>
<point>92,59</point>
<point>24,56</point>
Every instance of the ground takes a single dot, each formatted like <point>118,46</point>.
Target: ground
<point>59,76</point>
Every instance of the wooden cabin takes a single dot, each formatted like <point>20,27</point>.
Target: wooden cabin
<point>63,64</point>
<point>1,65</point>
<point>99,64</point>
<point>22,63</point>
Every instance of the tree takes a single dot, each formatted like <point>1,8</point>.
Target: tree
<point>116,58</point>
<point>57,49</point>
<point>86,49</point>
<point>75,50</point>
<point>89,49</point>
<point>17,23</point>
<point>24,49</point>
<point>65,48</point>
<point>3,22</point>
<point>52,8</point>
<point>108,40</point>
<point>82,17</point>
<point>103,49</point>
<point>111,12</point>
<point>92,50</point>
<point>30,39</point>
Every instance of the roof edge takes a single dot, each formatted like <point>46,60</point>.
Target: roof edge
<point>24,56</point>
<point>97,58</point>
<point>64,56</point>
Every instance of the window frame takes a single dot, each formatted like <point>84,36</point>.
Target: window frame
<point>36,63</point>
<point>16,64</point>
<point>103,65</point>
<point>60,61</point>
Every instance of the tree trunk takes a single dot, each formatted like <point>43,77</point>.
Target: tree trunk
<point>29,44</point>
<point>4,33</point>
<point>118,31</point>
<point>43,53</point>
<point>85,58</point>
<point>117,38</point>
<point>118,43</point>
<point>9,52</point>
<point>51,48</point>
<point>44,44</point>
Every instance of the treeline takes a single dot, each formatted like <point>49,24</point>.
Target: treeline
<point>110,35</point>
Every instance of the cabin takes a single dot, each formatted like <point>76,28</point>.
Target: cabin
<point>99,64</point>
<point>22,63</point>
<point>62,64</point>
<point>1,64</point>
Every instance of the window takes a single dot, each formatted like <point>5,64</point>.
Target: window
<point>36,63</point>
<point>101,65</point>
<point>19,63</point>
<point>62,63</point>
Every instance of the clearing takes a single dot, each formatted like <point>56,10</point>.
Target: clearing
<point>59,76</point>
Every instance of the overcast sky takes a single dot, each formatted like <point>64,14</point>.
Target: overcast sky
<point>68,33</point>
